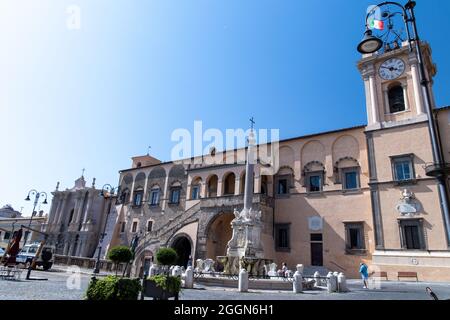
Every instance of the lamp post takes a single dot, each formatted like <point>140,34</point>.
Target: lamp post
<point>370,44</point>
<point>108,192</point>
<point>37,197</point>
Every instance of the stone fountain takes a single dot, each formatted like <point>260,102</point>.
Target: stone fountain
<point>245,250</point>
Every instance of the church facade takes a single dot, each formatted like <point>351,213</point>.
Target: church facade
<point>338,198</point>
<point>76,219</point>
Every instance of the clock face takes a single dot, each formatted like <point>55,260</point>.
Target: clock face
<point>392,69</point>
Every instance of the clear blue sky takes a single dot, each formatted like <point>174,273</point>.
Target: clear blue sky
<point>137,70</point>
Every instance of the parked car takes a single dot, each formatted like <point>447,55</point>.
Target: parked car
<point>28,252</point>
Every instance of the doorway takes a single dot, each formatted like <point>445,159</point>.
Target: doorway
<point>316,250</point>
<point>182,246</point>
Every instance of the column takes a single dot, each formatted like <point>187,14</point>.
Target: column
<point>249,169</point>
<point>78,253</point>
<point>88,207</point>
<point>76,208</point>
<point>373,99</point>
<point>63,208</point>
<point>370,120</point>
<point>405,96</point>
<point>417,90</point>
<point>387,108</point>
<point>219,188</point>
<point>237,185</point>
<point>54,209</point>
<point>82,206</point>
<point>257,188</point>
<point>165,195</point>
<point>203,189</point>
<point>132,190</point>
<point>146,193</point>
<point>66,248</point>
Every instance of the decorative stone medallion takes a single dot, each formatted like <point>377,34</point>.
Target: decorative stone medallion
<point>315,223</point>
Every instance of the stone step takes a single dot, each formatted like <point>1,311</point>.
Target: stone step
<point>310,270</point>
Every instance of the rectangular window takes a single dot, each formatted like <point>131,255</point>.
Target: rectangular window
<point>412,234</point>
<point>282,237</point>
<point>351,179</point>
<point>138,199</point>
<point>154,197</point>
<point>282,186</point>
<point>7,235</point>
<point>354,233</point>
<point>316,237</point>
<point>149,226</point>
<point>195,192</point>
<point>134,227</point>
<point>175,196</point>
<point>315,183</point>
<point>123,227</point>
<point>26,235</point>
<point>403,168</point>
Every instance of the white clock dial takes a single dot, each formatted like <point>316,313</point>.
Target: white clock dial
<point>392,69</point>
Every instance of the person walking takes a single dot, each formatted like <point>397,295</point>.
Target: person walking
<point>364,271</point>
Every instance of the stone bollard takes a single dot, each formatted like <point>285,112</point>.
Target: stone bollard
<point>189,278</point>
<point>331,282</point>
<point>317,279</point>
<point>176,271</point>
<point>243,280</point>
<point>342,282</point>
<point>297,285</point>
<point>153,270</point>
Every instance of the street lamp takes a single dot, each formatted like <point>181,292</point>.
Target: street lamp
<point>369,43</point>
<point>439,169</point>
<point>37,197</point>
<point>108,192</point>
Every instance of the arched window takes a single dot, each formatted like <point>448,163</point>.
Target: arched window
<point>124,196</point>
<point>138,195</point>
<point>284,180</point>
<point>314,174</point>
<point>195,189</point>
<point>347,172</point>
<point>396,99</point>
<point>212,186</point>
<point>230,182</point>
<point>154,196</point>
<point>175,193</point>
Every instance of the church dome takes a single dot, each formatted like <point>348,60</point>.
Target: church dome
<point>7,211</point>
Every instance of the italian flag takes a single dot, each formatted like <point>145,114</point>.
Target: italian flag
<point>377,24</point>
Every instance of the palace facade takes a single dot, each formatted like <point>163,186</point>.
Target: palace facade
<point>338,198</point>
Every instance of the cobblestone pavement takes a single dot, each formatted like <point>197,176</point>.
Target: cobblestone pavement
<point>56,288</point>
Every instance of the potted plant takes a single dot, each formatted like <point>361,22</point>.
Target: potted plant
<point>120,254</point>
<point>163,286</point>
<point>113,288</point>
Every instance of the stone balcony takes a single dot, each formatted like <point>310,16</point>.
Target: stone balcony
<point>437,169</point>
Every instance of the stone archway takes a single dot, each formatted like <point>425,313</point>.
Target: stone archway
<point>183,246</point>
<point>218,234</point>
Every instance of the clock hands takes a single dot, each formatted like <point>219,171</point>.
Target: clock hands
<point>390,68</point>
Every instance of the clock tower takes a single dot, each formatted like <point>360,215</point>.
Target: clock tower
<point>392,86</point>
